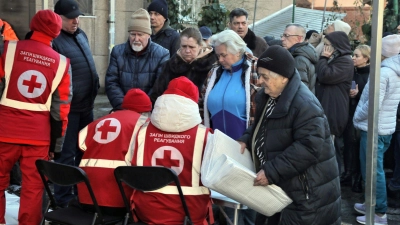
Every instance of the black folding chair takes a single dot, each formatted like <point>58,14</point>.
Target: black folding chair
<point>147,178</point>
<point>65,175</point>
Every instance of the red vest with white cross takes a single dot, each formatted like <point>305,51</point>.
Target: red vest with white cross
<point>32,72</point>
<point>107,143</point>
<point>183,153</point>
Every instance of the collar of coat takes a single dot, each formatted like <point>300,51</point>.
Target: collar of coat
<point>285,99</point>
<point>250,39</point>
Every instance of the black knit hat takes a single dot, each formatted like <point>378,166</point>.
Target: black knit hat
<point>309,33</point>
<point>159,6</point>
<point>278,60</point>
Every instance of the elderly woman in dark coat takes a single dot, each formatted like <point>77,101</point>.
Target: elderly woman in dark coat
<point>291,145</point>
<point>192,61</point>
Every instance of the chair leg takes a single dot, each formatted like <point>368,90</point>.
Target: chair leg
<point>126,219</point>
<point>94,219</point>
<point>47,209</point>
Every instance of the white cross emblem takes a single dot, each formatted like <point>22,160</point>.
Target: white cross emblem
<point>168,156</point>
<point>31,83</point>
<point>107,130</point>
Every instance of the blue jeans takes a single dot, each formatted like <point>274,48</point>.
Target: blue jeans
<point>383,145</point>
<point>245,216</point>
<point>395,181</point>
<point>71,154</point>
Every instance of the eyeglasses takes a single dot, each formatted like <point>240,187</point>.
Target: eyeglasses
<point>289,35</point>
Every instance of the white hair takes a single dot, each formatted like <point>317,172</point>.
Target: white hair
<point>233,42</point>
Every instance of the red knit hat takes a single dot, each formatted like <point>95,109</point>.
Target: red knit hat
<point>184,87</point>
<point>137,100</point>
<point>46,22</point>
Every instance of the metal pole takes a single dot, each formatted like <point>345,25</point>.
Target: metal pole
<point>293,9</point>
<point>111,29</point>
<point>373,110</point>
<point>255,11</point>
<point>323,16</point>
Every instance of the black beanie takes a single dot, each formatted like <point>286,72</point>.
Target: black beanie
<point>309,33</point>
<point>278,60</point>
<point>159,6</point>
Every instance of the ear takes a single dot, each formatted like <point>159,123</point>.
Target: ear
<point>285,80</point>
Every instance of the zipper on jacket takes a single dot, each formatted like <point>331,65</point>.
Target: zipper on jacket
<point>304,184</point>
<point>223,103</point>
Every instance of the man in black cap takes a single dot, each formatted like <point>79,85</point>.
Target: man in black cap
<point>291,144</point>
<point>73,43</point>
<point>163,34</point>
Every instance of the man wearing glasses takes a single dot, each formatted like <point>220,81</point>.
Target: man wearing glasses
<point>135,63</point>
<point>238,23</point>
<point>304,54</point>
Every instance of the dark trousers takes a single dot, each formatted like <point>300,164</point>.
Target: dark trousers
<point>351,151</point>
<point>71,154</point>
<point>265,220</point>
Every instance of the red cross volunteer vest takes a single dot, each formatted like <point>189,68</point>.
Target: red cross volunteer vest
<point>183,153</point>
<point>33,71</point>
<point>106,144</point>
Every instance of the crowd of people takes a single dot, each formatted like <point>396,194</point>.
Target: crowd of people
<point>298,104</point>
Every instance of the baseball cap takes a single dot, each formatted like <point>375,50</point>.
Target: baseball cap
<point>205,32</point>
<point>67,8</point>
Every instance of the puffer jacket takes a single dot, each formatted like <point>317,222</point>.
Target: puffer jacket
<point>128,70</point>
<point>305,59</point>
<point>196,71</point>
<point>85,79</point>
<point>334,76</point>
<point>168,38</point>
<point>389,97</point>
<point>300,157</point>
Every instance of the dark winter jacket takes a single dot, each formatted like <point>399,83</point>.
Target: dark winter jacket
<point>305,58</point>
<point>128,69</point>
<point>256,44</point>
<point>334,76</point>
<point>168,38</point>
<point>85,79</point>
<point>300,156</point>
<point>196,71</point>
<point>361,78</point>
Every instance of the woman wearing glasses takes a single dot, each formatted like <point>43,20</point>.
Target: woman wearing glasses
<point>228,94</point>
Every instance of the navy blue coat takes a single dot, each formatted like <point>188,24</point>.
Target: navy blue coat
<point>85,79</point>
<point>129,70</point>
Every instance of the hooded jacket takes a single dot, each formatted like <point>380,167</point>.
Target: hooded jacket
<point>128,69</point>
<point>176,66</point>
<point>389,97</point>
<point>300,157</point>
<point>334,76</point>
<point>339,26</point>
<point>305,59</point>
<point>176,123</point>
<point>168,38</point>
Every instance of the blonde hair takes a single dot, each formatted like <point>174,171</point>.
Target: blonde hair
<point>365,51</point>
